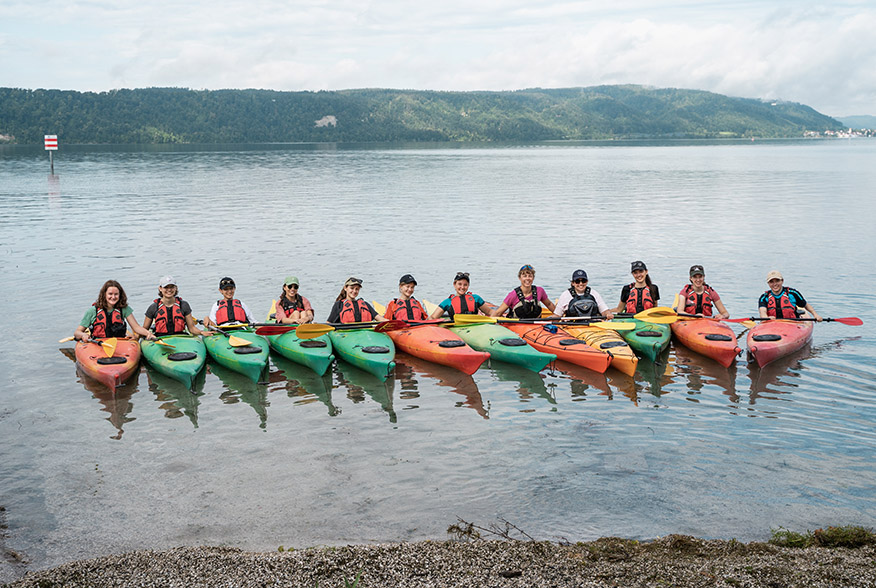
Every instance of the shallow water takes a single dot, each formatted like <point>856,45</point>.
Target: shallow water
<point>684,447</point>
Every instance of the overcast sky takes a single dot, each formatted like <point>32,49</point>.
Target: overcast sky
<point>819,54</point>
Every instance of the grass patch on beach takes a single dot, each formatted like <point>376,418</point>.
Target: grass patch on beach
<point>847,536</point>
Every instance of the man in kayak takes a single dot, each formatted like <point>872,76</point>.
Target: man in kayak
<point>698,297</point>
<point>782,302</point>
<point>525,300</point>
<point>229,309</point>
<point>463,302</point>
<point>405,307</point>
<point>292,307</point>
<point>349,308</point>
<point>581,300</point>
<point>641,294</point>
<point>171,314</point>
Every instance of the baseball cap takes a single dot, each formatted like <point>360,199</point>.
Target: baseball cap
<point>774,275</point>
<point>697,269</point>
<point>461,276</point>
<point>579,275</point>
<point>166,281</point>
<point>407,279</point>
<point>638,265</point>
<point>226,282</point>
<point>352,281</point>
<point>290,280</point>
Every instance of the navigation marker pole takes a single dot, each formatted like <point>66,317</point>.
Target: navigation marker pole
<point>51,145</point>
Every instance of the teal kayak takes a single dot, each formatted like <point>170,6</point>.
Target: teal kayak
<point>183,362</point>
<point>365,349</point>
<point>250,360</point>
<point>647,339</point>
<point>503,345</point>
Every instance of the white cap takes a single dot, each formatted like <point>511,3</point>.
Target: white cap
<point>166,281</point>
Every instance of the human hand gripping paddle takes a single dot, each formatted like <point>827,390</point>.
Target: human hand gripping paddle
<point>846,320</point>
<point>232,340</point>
<point>108,345</point>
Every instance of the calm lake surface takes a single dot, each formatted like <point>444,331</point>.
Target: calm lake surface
<point>684,447</point>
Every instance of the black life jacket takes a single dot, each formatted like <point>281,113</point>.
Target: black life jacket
<point>526,308</point>
<point>291,306</point>
<point>582,304</point>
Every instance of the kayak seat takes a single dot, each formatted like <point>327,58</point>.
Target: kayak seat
<point>182,356</point>
<point>375,349</point>
<point>311,343</point>
<point>247,350</point>
<point>648,334</point>
<point>451,343</point>
<point>572,342</point>
<point>769,337</point>
<point>610,344</point>
<point>512,342</point>
<point>718,337</point>
<point>111,360</point>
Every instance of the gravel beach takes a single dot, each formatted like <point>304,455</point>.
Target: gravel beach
<point>674,560</point>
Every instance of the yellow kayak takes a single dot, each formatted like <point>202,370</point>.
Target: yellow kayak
<point>622,357</point>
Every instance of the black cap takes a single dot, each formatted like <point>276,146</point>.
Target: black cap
<point>461,276</point>
<point>579,275</point>
<point>697,269</point>
<point>638,265</point>
<point>407,279</point>
<point>226,282</point>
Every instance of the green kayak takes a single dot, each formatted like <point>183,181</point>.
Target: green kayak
<point>249,360</point>
<point>183,362</point>
<point>313,353</point>
<point>647,339</point>
<point>365,349</point>
<point>503,345</point>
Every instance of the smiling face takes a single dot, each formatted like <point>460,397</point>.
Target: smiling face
<point>775,285</point>
<point>698,280</point>
<point>406,290</point>
<point>228,293</point>
<point>461,287</point>
<point>168,292</point>
<point>639,275</point>
<point>352,291</point>
<point>291,290</point>
<point>579,285</point>
<point>112,296</point>
<point>526,278</point>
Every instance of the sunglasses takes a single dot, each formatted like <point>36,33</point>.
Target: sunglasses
<point>354,282</point>
<point>461,276</point>
<point>580,281</point>
<point>292,286</point>
<point>527,268</point>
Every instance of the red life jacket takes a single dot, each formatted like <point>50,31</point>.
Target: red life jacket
<point>102,327</point>
<point>408,310</point>
<point>464,304</point>
<point>525,308</point>
<point>291,306</point>
<point>639,299</point>
<point>230,311</point>
<point>697,303</point>
<point>169,323</point>
<point>355,311</point>
<point>781,307</point>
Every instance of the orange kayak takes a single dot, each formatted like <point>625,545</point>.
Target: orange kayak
<point>771,340</point>
<point>562,344</point>
<point>438,345</point>
<point>708,337</point>
<point>109,371</point>
<point>622,356</point>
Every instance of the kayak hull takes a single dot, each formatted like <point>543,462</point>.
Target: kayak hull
<point>708,337</point>
<point>622,356</point>
<point>365,349</point>
<point>503,345</point>
<point>770,340</point>
<point>91,358</point>
<point>647,339</point>
<point>438,345</point>
<point>316,353</point>
<point>171,363</point>
<point>240,359</point>
<point>563,345</point>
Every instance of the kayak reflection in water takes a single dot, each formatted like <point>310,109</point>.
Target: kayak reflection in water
<point>108,315</point>
<point>292,307</point>
<point>525,300</point>
<point>405,307</point>
<point>463,302</point>
<point>581,300</point>
<point>349,308</point>
<point>782,302</point>
<point>229,309</point>
<point>641,294</point>
<point>171,314</point>
<point>698,297</point>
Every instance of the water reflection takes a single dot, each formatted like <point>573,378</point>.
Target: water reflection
<point>529,384</point>
<point>359,384</point>
<point>408,368</point>
<point>302,383</point>
<point>239,388</point>
<point>698,372</point>
<point>581,380</point>
<point>175,398</point>
<point>777,377</point>
<point>654,375</point>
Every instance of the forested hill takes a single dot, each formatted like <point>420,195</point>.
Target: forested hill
<point>175,115</point>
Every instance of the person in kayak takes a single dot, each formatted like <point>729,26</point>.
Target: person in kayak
<point>641,294</point>
<point>581,300</point>
<point>463,302</point>
<point>525,300</point>
<point>108,316</point>
<point>292,307</point>
<point>782,302</point>
<point>229,309</point>
<point>171,314</point>
<point>349,308</point>
<point>698,297</point>
<point>405,307</point>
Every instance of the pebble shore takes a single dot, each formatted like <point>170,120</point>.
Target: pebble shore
<point>676,561</point>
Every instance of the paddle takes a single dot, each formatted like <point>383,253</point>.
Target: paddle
<point>846,320</point>
<point>232,340</point>
<point>474,319</point>
<point>108,345</point>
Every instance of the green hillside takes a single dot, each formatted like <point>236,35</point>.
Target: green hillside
<point>175,115</point>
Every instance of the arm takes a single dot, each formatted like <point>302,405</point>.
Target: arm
<point>500,311</point>
<point>81,333</point>
<point>811,311</point>
<point>377,317</point>
<point>722,312</point>
<point>193,326</point>
<point>601,306</point>
<point>335,313</point>
<point>547,301</point>
<point>135,326</point>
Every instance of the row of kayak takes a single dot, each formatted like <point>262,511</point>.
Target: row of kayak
<point>464,347</point>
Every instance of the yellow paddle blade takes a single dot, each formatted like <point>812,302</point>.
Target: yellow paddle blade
<point>473,319</point>
<point>164,344</point>
<point>748,324</point>
<point>109,346</point>
<point>312,330</point>
<point>381,310</point>
<point>65,339</point>
<point>430,307</point>
<point>613,326</point>
<point>660,320</point>
<point>238,341</point>
<point>656,312</point>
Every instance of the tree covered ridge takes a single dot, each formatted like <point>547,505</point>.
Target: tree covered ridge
<point>177,115</point>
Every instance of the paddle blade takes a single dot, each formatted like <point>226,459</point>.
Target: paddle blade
<point>164,344</point>
<point>748,324</point>
<point>847,320</point>
<point>473,319</point>
<point>655,312</point>
<point>65,339</point>
<point>659,320</point>
<point>238,341</point>
<point>390,326</point>
<point>311,331</point>
<point>614,326</point>
<point>275,329</point>
<point>109,346</point>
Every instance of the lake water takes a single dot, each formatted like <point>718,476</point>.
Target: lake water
<point>684,447</point>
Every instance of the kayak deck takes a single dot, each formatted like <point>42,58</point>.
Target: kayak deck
<point>250,361</point>
<point>365,349</point>
<point>438,345</point>
<point>503,345</point>
<point>622,356</point>
<point>708,337</point>
<point>183,362</point>
<point>770,340</point>
<point>560,343</point>
<point>110,371</point>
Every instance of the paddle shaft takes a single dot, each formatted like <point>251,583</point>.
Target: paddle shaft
<point>846,320</point>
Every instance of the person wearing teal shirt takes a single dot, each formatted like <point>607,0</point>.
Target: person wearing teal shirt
<point>108,315</point>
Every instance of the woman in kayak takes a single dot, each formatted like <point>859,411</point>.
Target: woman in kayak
<point>581,300</point>
<point>229,309</point>
<point>171,314</point>
<point>405,307</point>
<point>698,298</point>
<point>782,302</point>
<point>108,315</point>
<point>463,302</point>
<point>349,308</point>
<point>292,307</point>
<point>525,300</point>
<point>641,294</point>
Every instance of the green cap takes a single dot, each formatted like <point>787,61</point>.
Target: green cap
<point>291,280</point>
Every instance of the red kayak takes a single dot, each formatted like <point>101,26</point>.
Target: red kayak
<point>438,345</point>
<point>708,337</point>
<point>109,371</point>
<point>770,340</point>
<point>562,344</point>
